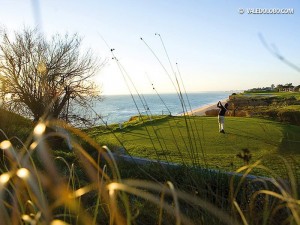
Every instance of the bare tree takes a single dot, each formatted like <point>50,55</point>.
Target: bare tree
<point>47,77</point>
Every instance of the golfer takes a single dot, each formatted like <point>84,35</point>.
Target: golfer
<point>221,116</point>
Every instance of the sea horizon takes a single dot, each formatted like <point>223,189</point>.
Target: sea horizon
<point>120,108</point>
<point>164,93</point>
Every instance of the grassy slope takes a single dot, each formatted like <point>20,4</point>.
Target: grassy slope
<point>13,124</point>
<point>168,140</point>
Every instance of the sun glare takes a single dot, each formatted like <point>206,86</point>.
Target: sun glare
<point>39,129</point>
<point>5,144</point>
<point>111,188</point>
<point>33,145</point>
<point>23,173</point>
<point>4,178</point>
<point>58,222</point>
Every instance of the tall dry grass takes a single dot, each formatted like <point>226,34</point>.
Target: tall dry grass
<point>37,187</point>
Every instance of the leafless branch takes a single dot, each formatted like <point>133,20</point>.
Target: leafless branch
<point>45,77</point>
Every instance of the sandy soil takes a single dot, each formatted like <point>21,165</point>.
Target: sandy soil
<point>201,111</point>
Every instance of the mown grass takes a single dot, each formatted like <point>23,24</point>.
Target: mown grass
<point>281,95</point>
<point>169,140</point>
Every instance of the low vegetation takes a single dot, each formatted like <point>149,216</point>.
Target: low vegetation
<point>281,95</point>
<point>168,139</point>
<point>279,106</point>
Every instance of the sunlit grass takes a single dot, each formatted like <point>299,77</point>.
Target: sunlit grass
<point>262,137</point>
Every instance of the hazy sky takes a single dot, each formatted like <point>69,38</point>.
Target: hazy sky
<point>215,46</point>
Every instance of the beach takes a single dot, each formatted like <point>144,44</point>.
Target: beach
<point>201,111</point>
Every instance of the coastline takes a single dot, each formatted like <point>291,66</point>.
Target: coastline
<point>201,110</point>
<point>119,108</point>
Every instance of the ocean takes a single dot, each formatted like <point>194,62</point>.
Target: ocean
<point>119,108</point>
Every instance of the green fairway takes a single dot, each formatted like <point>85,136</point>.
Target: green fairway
<point>196,140</point>
<point>295,95</point>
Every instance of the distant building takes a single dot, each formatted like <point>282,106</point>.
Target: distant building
<point>280,88</point>
<point>287,88</point>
